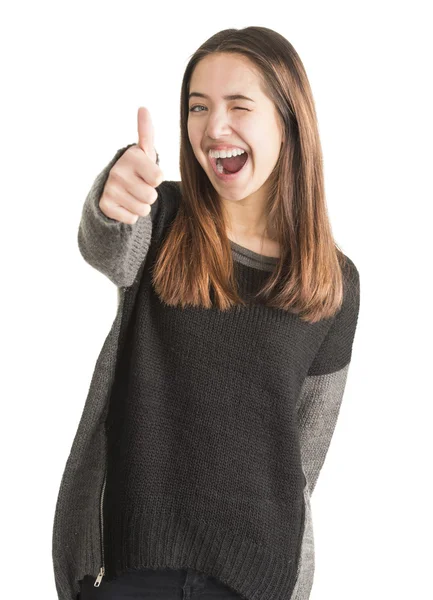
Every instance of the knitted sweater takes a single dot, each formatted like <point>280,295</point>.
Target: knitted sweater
<point>204,431</point>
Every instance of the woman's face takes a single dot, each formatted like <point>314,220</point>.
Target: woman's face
<point>253,125</point>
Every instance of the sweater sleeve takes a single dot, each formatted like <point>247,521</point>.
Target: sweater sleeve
<point>114,248</point>
<point>323,389</point>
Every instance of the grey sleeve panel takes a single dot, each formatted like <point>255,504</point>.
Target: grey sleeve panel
<point>114,248</point>
<point>306,564</point>
<point>318,409</point>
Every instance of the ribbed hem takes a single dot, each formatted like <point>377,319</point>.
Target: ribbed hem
<point>160,539</point>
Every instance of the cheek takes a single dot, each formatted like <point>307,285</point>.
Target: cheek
<point>192,131</point>
<point>194,138</point>
<point>269,149</point>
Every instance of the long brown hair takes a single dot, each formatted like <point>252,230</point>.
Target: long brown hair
<point>196,253</point>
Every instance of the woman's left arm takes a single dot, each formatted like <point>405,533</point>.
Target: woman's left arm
<point>323,389</point>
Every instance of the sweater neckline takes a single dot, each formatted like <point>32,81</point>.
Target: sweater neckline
<point>253,259</point>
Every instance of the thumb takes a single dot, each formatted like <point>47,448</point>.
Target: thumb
<point>146,133</point>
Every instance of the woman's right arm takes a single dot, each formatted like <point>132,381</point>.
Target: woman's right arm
<point>113,247</point>
<point>116,222</point>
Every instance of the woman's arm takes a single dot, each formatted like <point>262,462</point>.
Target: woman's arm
<point>323,389</point>
<point>114,248</point>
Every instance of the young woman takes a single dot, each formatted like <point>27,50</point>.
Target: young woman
<point>217,390</point>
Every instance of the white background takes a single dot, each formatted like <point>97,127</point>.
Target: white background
<point>73,77</point>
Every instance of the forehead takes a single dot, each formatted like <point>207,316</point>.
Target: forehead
<point>219,74</point>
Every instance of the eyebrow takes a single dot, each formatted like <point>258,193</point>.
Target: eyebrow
<point>228,97</point>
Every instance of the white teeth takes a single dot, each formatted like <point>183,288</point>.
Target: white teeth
<point>225,153</point>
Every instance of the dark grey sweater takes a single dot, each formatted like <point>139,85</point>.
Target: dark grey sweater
<point>203,432</point>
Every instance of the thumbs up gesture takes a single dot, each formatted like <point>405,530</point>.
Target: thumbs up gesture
<point>130,188</point>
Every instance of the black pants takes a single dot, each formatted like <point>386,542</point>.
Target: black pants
<point>161,584</point>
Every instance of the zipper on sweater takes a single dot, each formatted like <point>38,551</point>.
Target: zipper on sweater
<point>124,291</point>
<point>101,521</point>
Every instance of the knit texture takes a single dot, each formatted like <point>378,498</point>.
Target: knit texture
<point>203,433</point>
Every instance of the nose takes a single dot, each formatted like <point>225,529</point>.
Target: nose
<point>218,125</point>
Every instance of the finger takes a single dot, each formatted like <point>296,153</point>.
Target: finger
<point>146,133</point>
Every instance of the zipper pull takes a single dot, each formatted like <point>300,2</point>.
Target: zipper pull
<point>99,578</point>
